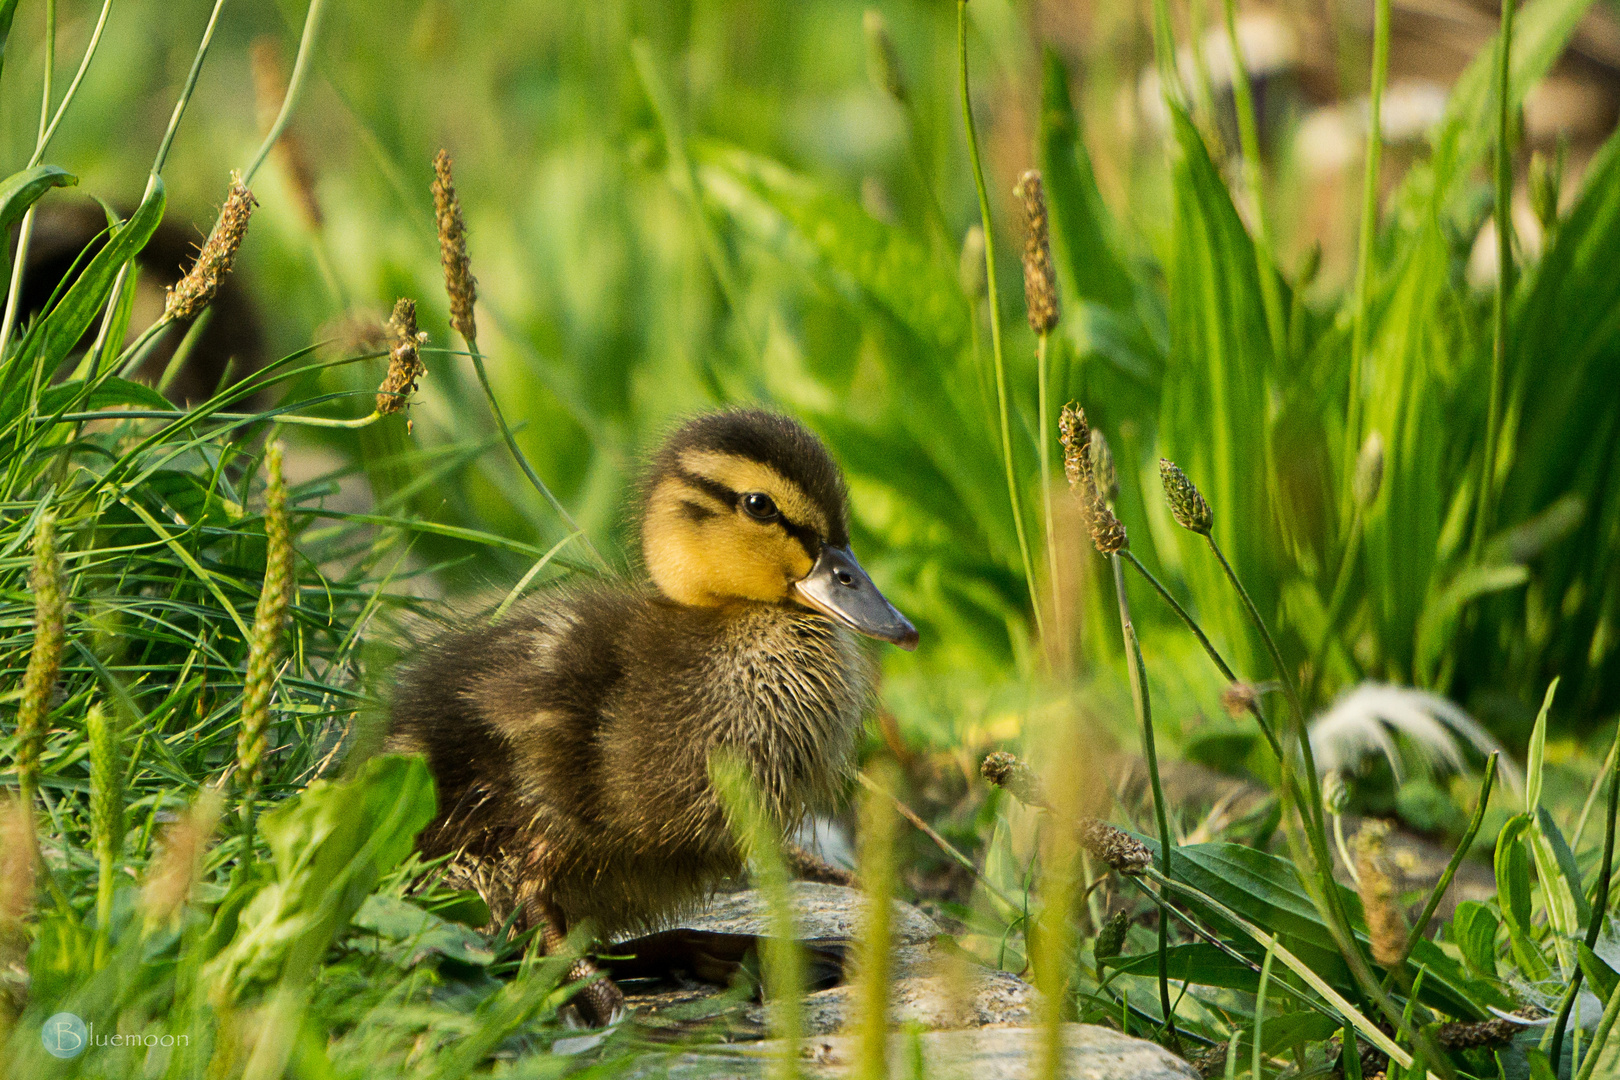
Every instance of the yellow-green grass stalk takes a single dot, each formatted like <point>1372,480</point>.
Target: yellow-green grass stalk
<point>1051,947</point>
<point>760,840</point>
<point>1042,305</point>
<point>1369,229</point>
<point>106,818</point>
<point>997,354</point>
<point>462,290</point>
<point>1258,1054</point>
<point>46,582</point>
<point>1600,901</point>
<point>265,647</point>
<point>880,827</point>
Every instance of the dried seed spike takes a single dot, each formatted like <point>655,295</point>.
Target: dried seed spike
<point>1114,847</point>
<point>1075,435</point>
<point>197,289</point>
<point>1040,277</point>
<point>882,58</point>
<point>1466,1035</point>
<point>45,659</point>
<point>174,873</point>
<point>405,365</point>
<point>1237,698</point>
<point>1011,772</point>
<point>1107,532</point>
<point>1187,503</point>
<point>1335,792</point>
<point>1369,471</point>
<point>269,619</point>
<point>458,280</point>
<point>1386,925</point>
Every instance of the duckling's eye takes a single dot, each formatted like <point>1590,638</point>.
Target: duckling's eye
<point>759,506</point>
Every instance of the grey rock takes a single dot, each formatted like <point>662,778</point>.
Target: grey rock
<point>824,912</point>
<point>1090,1053</point>
<point>994,998</point>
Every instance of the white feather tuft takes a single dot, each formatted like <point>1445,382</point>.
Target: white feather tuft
<point>1366,719</point>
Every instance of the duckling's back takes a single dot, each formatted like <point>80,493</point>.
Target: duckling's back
<point>571,741</point>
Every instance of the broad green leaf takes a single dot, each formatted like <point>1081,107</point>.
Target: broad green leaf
<point>109,394</point>
<point>1473,930</point>
<point>1265,890</point>
<point>1196,963</point>
<point>414,935</point>
<point>1513,895</point>
<point>1213,416</point>
<point>331,844</point>
<point>1537,753</point>
<point>21,190</point>
<point>1569,872</point>
<point>1598,972</point>
<point>1540,1067</point>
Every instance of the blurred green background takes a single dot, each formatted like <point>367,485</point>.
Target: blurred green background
<point>779,229</point>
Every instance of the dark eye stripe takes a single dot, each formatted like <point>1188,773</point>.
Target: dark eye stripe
<point>807,537</point>
<point>695,512</point>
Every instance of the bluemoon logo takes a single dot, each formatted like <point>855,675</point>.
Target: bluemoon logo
<point>64,1035</point>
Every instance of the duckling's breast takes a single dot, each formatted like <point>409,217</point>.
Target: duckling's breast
<point>782,690</point>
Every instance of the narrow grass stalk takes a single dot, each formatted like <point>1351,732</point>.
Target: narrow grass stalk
<point>106,818</point>
<point>879,832</point>
<point>1600,907</point>
<point>189,88</point>
<point>1042,411</point>
<point>1249,141</point>
<point>783,959</point>
<point>73,87</point>
<point>264,651</point>
<point>1265,984</point>
<point>994,303</point>
<point>1600,1037</point>
<point>44,659</point>
<point>1450,872</point>
<point>1144,716</point>
<point>1203,639</point>
<point>1328,900</point>
<point>462,292</point>
<point>1369,229</point>
<point>1504,284</point>
<point>295,86</point>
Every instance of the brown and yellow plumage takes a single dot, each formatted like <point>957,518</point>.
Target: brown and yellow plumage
<point>571,739</point>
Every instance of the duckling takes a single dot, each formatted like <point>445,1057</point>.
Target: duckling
<point>570,740</point>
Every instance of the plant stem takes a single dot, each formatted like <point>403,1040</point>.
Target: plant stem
<point>1611,1011</point>
<point>994,302</point>
<point>1504,285</point>
<point>523,462</point>
<point>1330,903</point>
<point>1209,649</point>
<point>187,90</point>
<point>1249,141</point>
<point>1600,908</point>
<point>1265,979</point>
<point>1044,437</point>
<point>1369,228</point>
<point>1450,872</point>
<point>1144,716</point>
<point>295,87</point>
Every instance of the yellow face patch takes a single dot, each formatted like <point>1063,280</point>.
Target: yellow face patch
<point>704,550</point>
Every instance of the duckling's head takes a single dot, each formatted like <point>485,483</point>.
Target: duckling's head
<point>749,506</point>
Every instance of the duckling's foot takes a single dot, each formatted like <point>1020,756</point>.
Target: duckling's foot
<point>600,1002</point>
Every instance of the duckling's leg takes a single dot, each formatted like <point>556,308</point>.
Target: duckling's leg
<point>600,1002</point>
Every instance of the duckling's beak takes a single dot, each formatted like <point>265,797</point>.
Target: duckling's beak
<point>838,588</point>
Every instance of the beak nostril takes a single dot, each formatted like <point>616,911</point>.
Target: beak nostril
<point>845,578</point>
